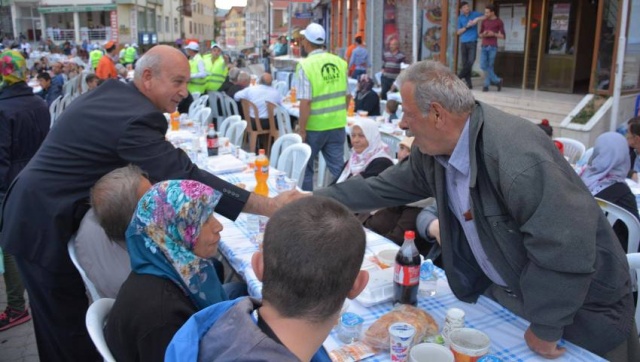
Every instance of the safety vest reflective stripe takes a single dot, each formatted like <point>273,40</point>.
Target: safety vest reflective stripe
<point>327,74</point>
<point>196,84</point>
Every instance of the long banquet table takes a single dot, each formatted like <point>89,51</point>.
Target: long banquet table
<point>504,328</point>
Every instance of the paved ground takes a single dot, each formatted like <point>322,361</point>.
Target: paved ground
<point>17,344</point>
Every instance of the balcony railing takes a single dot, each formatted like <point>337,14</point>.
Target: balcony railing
<point>57,34</point>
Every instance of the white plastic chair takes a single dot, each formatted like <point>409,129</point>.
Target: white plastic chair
<point>585,158</point>
<point>293,161</point>
<point>236,132</point>
<point>573,149</point>
<point>614,213</point>
<point>284,120</point>
<point>225,126</point>
<point>196,105</point>
<point>216,103</point>
<point>281,87</point>
<point>230,106</point>
<point>634,267</point>
<point>53,110</point>
<point>95,320</point>
<point>204,116</point>
<point>281,144</point>
<point>195,96</point>
<point>392,141</point>
<point>91,289</point>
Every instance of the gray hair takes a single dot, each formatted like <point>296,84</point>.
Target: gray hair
<point>233,74</point>
<point>244,77</point>
<point>434,82</point>
<point>114,199</point>
<point>148,61</point>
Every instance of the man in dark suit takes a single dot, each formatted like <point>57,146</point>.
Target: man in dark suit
<point>108,128</point>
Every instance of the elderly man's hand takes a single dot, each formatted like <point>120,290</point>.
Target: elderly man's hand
<point>546,349</point>
<point>287,197</point>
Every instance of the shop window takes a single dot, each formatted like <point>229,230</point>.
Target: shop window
<point>561,29</point>
<point>631,72</point>
<point>607,37</point>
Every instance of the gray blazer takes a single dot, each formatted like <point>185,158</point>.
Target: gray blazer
<point>540,227</point>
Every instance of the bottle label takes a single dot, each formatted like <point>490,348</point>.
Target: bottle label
<point>264,170</point>
<point>407,275</point>
<point>212,142</point>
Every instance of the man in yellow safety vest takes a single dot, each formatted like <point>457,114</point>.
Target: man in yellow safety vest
<point>216,68</point>
<point>95,56</point>
<point>198,79</point>
<point>322,90</point>
<point>131,54</point>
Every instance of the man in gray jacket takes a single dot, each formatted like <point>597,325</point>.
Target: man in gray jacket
<point>516,222</point>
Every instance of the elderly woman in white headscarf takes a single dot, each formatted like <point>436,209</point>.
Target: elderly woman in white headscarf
<point>605,175</point>
<point>369,155</point>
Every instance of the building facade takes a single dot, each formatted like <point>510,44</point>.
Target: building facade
<point>235,28</point>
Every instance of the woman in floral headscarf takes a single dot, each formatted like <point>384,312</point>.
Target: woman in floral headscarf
<point>171,238</point>
<point>369,155</point>
<point>366,98</point>
<point>24,123</point>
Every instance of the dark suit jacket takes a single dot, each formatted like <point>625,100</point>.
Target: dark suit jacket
<point>107,128</point>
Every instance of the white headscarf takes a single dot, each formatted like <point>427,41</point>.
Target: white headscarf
<point>376,149</point>
<point>608,164</point>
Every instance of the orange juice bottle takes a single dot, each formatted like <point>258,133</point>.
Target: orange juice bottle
<point>351,108</point>
<point>175,121</point>
<point>294,96</point>
<point>262,174</point>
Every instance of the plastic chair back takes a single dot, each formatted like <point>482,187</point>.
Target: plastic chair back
<point>225,125</point>
<point>393,142</point>
<point>281,144</point>
<point>53,110</point>
<point>91,289</point>
<point>293,161</point>
<point>634,265</point>
<point>236,132</point>
<point>614,213</point>
<point>284,120</point>
<point>573,149</point>
<point>282,88</point>
<point>95,321</point>
<point>204,116</point>
<point>230,106</point>
<point>195,96</point>
<point>216,103</point>
<point>378,78</point>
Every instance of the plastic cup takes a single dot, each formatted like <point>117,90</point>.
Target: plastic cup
<point>363,113</point>
<point>468,344</point>
<point>250,160</point>
<point>291,184</point>
<point>253,226</point>
<point>387,258</point>
<point>400,339</point>
<point>430,352</point>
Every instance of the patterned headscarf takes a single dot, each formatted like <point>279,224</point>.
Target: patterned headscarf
<point>13,68</point>
<point>608,164</point>
<point>163,233</point>
<point>358,162</point>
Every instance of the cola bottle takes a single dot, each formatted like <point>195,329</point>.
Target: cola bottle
<point>406,276</point>
<point>212,141</point>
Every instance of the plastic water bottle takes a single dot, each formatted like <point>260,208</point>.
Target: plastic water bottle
<point>428,279</point>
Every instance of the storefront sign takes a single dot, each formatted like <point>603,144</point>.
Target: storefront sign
<point>113,16</point>
<point>559,28</point>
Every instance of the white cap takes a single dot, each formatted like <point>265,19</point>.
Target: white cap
<point>126,45</point>
<point>193,46</point>
<point>134,45</point>
<point>215,45</point>
<point>314,33</point>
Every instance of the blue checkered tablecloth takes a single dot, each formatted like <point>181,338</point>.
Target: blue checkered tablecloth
<point>505,329</point>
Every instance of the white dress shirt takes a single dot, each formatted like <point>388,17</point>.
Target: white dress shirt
<point>259,95</point>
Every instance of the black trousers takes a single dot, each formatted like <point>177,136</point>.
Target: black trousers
<point>385,86</point>
<point>468,57</point>
<point>58,306</point>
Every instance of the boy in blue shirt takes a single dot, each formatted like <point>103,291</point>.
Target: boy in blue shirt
<point>468,33</point>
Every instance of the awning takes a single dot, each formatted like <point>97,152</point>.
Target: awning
<point>76,8</point>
